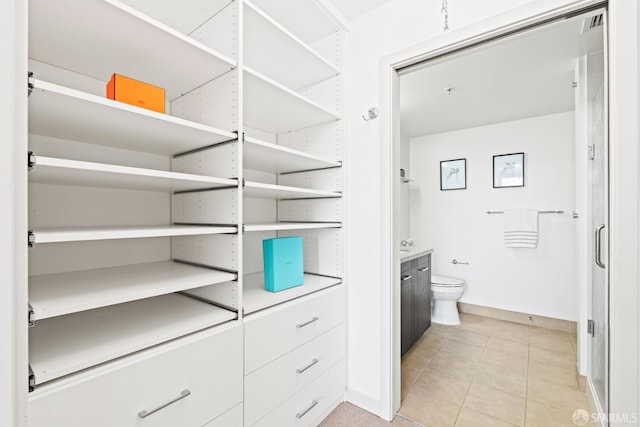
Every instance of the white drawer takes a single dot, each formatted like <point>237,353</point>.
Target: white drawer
<point>231,418</point>
<point>307,407</point>
<point>207,364</point>
<point>274,383</point>
<point>274,332</point>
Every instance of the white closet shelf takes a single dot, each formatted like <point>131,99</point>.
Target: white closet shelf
<point>112,37</point>
<point>304,18</point>
<point>291,226</point>
<point>60,112</point>
<point>76,234</point>
<point>256,298</point>
<point>274,108</point>
<point>266,157</point>
<point>277,53</point>
<point>66,344</point>
<point>261,190</point>
<point>50,170</point>
<point>52,295</point>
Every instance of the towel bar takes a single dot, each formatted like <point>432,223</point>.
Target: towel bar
<point>541,212</point>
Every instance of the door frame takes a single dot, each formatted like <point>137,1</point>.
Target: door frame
<point>623,48</point>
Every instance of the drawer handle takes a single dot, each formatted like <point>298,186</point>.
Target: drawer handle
<point>301,370</point>
<point>423,269</point>
<point>405,278</point>
<point>302,325</point>
<point>303,413</point>
<point>145,413</point>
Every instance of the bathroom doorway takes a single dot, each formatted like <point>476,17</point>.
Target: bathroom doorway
<point>540,92</point>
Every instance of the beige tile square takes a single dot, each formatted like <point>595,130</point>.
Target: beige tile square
<point>553,374</point>
<point>556,396</point>
<point>464,351</point>
<point>428,343</point>
<point>511,331</point>
<point>539,415</point>
<point>508,346</point>
<point>441,385</point>
<point>561,360</point>
<point>431,411</point>
<point>554,342</point>
<point>409,374</point>
<point>440,330</point>
<point>478,324</point>
<point>497,404</point>
<point>470,418</point>
<point>470,338</point>
<point>512,316</point>
<point>506,361</point>
<point>478,310</point>
<point>550,323</point>
<point>454,365</point>
<point>497,378</point>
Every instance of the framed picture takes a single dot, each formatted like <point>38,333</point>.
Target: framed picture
<point>453,174</point>
<point>508,170</point>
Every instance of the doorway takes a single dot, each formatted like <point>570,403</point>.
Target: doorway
<point>442,112</point>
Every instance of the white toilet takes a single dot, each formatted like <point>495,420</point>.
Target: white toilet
<point>446,293</point>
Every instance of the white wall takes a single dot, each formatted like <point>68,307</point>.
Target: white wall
<point>538,281</point>
<point>395,25</point>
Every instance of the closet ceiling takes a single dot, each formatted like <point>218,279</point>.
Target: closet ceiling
<point>351,9</point>
<point>526,75</point>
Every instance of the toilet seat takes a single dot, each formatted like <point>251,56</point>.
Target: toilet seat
<point>446,282</point>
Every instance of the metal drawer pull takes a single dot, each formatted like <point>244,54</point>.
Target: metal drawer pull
<point>313,362</point>
<point>303,413</point>
<point>302,325</point>
<point>145,413</point>
<point>404,278</point>
<point>423,269</point>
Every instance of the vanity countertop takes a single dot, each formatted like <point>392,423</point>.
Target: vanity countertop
<point>413,254</point>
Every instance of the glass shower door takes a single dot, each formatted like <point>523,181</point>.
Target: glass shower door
<point>598,192</point>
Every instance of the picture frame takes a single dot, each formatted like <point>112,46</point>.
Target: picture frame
<point>508,170</point>
<point>453,174</point>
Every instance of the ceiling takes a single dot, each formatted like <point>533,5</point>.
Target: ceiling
<point>526,75</point>
<point>351,9</point>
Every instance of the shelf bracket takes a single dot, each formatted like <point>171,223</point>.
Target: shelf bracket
<point>32,380</point>
<point>31,238</point>
<point>31,160</point>
<point>30,318</point>
<point>30,82</point>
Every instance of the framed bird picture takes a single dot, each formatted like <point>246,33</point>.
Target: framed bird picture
<point>453,174</point>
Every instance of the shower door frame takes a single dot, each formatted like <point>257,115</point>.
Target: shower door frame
<point>624,236</point>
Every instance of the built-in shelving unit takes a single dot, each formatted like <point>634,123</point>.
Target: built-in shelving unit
<point>146,228</point>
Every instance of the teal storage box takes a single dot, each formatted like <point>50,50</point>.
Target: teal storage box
<point>283,267</point>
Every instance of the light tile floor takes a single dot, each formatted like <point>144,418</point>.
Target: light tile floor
<point>489,372</point>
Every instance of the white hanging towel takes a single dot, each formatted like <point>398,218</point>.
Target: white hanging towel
<point>521,228</point>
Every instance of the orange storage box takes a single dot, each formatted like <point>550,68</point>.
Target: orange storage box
<point>134,92</point>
